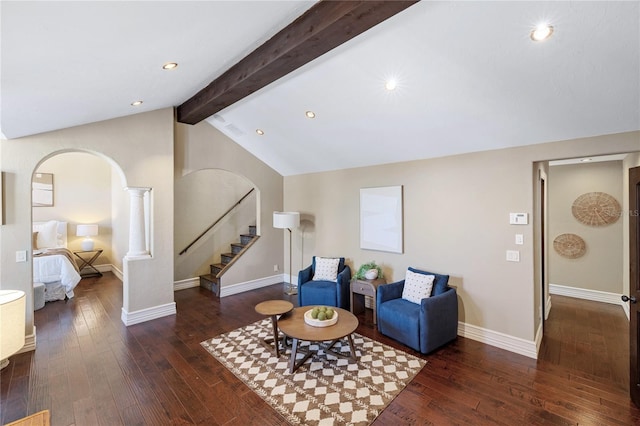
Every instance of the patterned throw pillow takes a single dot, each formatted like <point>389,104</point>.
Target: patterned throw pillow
<point>326,269</point>
<point>417,287</point>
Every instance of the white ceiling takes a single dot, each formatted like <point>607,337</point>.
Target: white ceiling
<point>470,78</point>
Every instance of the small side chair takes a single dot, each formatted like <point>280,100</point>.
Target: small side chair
<point>423,326</point>
<point>316,287</point>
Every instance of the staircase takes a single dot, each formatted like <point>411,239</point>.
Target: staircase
<point>211,281</point>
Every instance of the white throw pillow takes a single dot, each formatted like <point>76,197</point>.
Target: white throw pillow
<point>417,286</point>
<point>326,269</point>
<point>48,235</point>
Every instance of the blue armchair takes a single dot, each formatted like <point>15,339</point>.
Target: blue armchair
<point>425,326</point>
<point>327,293</point>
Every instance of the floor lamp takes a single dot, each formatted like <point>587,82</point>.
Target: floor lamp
<point>287,220</point>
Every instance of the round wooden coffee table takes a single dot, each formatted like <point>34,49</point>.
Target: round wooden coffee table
<point>273,308</point>
<point>292,324</point>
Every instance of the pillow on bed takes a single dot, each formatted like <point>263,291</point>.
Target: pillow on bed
<point>48,235</point>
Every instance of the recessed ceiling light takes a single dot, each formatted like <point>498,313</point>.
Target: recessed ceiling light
<point>260,132</point>
<point>136,103</point>
<point>390,84</point>
<point>310,114</point>
<point>584,160</point>
<point>170,66</point>
<point>541,32</point>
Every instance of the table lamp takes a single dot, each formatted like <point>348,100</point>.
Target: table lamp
<point>287,220</point>
<point>87,231</point>
<point>12,322</point>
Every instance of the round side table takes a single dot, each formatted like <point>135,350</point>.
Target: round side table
<point>273,308</point>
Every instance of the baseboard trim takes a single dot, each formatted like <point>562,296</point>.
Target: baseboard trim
<point>249,285</point>
<point>547,308</point>
<point>117,272</point>
<point>539,336</point>
<point>136,317</point>
<point>29,342</point>
<point>517,345</point>
<point>184,284</point>
<point>625,308</point>
<point>105,267</point>
<point>108,267</point>
<point>583,293</point>
<point>593,295</point>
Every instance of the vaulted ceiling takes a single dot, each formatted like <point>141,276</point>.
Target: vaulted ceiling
<point>469,77</point>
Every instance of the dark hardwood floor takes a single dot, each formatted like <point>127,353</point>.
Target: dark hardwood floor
<point>89,369</point>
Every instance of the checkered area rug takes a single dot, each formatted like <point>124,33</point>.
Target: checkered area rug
<point>325,390</point>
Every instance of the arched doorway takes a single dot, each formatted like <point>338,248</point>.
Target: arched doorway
<point>86,188</point>
<point>212,208</point>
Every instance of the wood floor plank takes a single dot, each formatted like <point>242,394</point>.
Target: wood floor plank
<point>91,369</point>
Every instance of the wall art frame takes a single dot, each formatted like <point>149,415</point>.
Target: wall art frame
<point>42,190</point>
<point>381,219</point>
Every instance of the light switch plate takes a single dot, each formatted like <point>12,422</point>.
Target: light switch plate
<point>21,256</point>
<point>519,239</point>
<point>513,256</point>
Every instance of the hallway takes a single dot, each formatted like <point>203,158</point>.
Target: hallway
<point>590,337</point>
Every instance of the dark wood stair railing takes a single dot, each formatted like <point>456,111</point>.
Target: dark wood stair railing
<point>216,222</point>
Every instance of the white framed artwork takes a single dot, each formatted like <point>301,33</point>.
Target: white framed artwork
<point>381,225</point>
<point>42,190</point>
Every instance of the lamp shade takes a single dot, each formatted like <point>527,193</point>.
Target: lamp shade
<point>12,323</point>
<point>87,230</point>
<point>286,220</point>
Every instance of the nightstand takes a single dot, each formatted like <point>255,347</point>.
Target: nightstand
<point>362,288</point>
<point>87,262</point>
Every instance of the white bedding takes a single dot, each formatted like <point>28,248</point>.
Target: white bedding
<point>55,268</point>
<point>55,271</point>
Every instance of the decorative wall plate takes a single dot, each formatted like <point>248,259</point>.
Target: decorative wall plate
<point>596,209</point>
<point>570,246</point>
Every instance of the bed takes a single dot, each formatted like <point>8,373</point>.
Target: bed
<point>53,263</point>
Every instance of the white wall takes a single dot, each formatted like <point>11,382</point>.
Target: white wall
<point>201,198</point>
<point>141,149</point>
<point>203,147</point>
<point>82,194</point>
<point>601,266</point>
<point>119,222</point>
<point>456,221</point>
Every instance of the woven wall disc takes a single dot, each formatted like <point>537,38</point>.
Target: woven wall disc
<point>596,209</point>
<point>570,246</point>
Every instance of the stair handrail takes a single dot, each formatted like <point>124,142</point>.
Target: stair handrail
<point>216,222</point>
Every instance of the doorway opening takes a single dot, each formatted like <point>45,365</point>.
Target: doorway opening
<point>581,278</point>
<point>82,199</point>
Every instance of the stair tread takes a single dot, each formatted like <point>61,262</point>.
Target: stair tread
<point>209,277</point>
<point>229,254</point>
<point>219,265</point>
<point>238,245</point>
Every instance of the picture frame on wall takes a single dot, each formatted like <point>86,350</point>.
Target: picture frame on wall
<point>381,219</point>
<point>42,190</point>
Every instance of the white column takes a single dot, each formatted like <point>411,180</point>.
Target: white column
<point>137,238</point>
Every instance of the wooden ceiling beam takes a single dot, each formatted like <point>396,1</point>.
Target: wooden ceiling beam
<point>323,27</point>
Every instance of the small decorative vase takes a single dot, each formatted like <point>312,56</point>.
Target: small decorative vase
<point>371,274</point>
